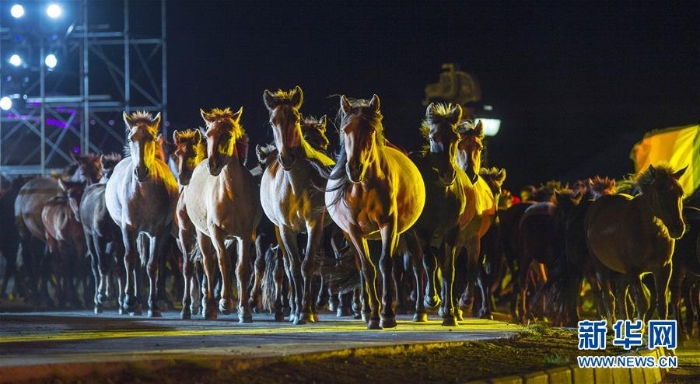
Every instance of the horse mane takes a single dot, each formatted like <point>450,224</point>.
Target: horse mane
<point>188,136</point>
<point>141,117</point>
<point>314,136</point>
<point>468,127</point>
<point>283,97</point>
<point>648,177</point>
<point>226,115</point>
<point>601,186</point>
<point>362,107</point>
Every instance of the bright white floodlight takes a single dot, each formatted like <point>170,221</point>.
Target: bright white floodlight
<point>17,11</point>
<point>54,11</point>
<point>51,61</point>
<point>16,60</point>
<point>5,103</point>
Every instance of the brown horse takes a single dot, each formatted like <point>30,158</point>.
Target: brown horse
<point>374,191</point>
<point>141,197</point>
<point>446,201</point>
<point>66,242</point>
<point>223,202</point>
<point>479,213</point>
<point>29,204</point>
<point>636,235</point>
<point>190,150</point>
<point>291,196</point>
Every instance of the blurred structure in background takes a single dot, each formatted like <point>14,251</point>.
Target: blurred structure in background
<point>67,71</point>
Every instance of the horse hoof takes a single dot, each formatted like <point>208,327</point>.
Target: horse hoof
<point>420,318</point>
<point>98,310</point>
<point>245,319</point>
<point>225,306</point>
<point>344,311</point>
<point>431,302</point>
<point>389,322</point>
<point>459,314</point>
<point>298,320</point>
<point>483,314</point>
<point>279,316</point>
<point>365,317</point>
<point>154,313</point>
<point>449,321</point>
<point>373,324</point>
<point>185,315</point>
<point>307,317</point>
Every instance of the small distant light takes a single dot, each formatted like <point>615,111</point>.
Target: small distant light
<point>17,11</point>
<point>110,123</point>
<point>76,150</point>
<point>54,11</point>
<point>15,60</point>
<point>491,126</point>
<point>51,61</point>
<point>5,103</point>
<point>488,107</point>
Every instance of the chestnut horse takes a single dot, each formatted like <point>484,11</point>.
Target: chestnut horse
<point>190,150</point>
<point>374,191</point>
<point>636,235</point>
<point>141,197</point>
<point>223,202</point>
<point>445,182</point>
<point>291,196</point>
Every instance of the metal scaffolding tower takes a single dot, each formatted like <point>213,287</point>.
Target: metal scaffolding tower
<point>111,59</point>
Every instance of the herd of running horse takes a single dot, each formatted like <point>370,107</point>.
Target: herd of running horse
<point>304,224</point>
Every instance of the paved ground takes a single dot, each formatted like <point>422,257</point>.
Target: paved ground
<point>32,341</point>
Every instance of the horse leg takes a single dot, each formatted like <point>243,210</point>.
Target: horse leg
<point>662,277</point>
<point>308,269</point>
<point>430,264</point>
<point>130,259</point>
<point>677,292</point>
<point>449,309</point>
<point>289,241</point>
<point>209,309</point>
<point>416,251</point>
<point>390,239</point>
<point>243,279</point>
<point>95,266</point>
<point>224,262</point>
<point>522,285</point>
<point>188,277</point>
<point>640,299</point>
<point>278,274</point>
<point>155,251</point>
<point>258,274</point>
<point>369,273</point>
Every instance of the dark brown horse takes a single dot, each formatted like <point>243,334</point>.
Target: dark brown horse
<point>141,196</point>
<point>636,235</point>
<point>223,202</point>
<point>9,237</point>
<point>190,150</point>
<point>66,242</point>
<point>438,224</point>
<point>291,196</point>
<point>103,238</point>
<point>374,191</point>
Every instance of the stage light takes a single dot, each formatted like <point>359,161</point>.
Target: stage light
<point>15,60</point>
<point>5,103</point>
<point>54,11</point>
<point>491,126</point>
<point>17,11</point>
<point>51,61</point>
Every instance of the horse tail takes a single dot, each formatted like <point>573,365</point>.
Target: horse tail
<point>338,173</point>
<point>268,287</point>
<point>341,274</point>
<point>144,249</point>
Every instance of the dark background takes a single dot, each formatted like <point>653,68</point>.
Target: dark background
<point>575,85</point>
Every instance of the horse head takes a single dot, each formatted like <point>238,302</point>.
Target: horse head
<point>190,150</point>
<point>285,121</point>
<point>666,197</point>
<point>107,164</point>
<point>494,178</point>
<point>314,132</point>
<point>224,136</point>
<point>73,191</point>
<point>86,168</point>
<point>470,146</point>
<point>440,129</point>
<point>142,135</point>
<point>361,132</point>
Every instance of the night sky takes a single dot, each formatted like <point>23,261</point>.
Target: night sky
<point>574,85</point>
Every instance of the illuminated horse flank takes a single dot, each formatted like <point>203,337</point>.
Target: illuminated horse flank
<point>190,151</point>
<point>636,235</point>
<point>444,183</point>
<point>223,202</point>
<point>374,192</point>
<point>292,197</point>
<point>141,197</point>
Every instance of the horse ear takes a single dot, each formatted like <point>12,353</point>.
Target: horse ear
<point>677,175</point>
<point>237,115</point>
<point>269,100</point>
<point>127,119</point>
<point>501,175</point>
<point>479,129</point>
<point>176,136</point>
<point>456,115</point>
<point>323,122</point>
<point>156,120</point>
<point>197,136</point>
<point>429,112</point>
<point>62,185</point>
<point>374,103</point>
<point>297,97</point>
<point>205,116</point>
<point>652,170</point>
<point>159,139</point>
<point>345,105</point>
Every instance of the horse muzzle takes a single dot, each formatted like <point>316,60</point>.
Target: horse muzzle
<point>676,232</point>
<point>287,162</point>
<point>446,179</point>
<point>356,175</point>
<point>214,167</point>
<point>141,173</point>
